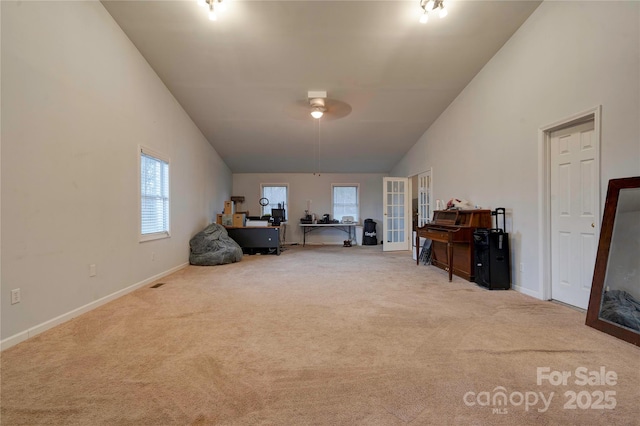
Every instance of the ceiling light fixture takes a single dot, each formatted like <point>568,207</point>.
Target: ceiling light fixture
<point>431,6</point>
<point>214,7</point>
<point>316,100</point>
<point>317,112</point>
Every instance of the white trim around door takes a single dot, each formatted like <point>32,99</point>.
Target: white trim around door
<point>544,188</point>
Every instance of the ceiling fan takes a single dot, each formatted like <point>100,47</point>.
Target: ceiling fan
<point>318,105</point>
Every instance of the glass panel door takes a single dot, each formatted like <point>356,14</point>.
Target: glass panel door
<point>425,208</point>
<point>396,222</point>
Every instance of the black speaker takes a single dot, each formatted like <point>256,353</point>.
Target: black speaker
<point>481,257</point>
<point>491,256</point>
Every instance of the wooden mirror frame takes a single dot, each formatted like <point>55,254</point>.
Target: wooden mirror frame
<point>602,260</point>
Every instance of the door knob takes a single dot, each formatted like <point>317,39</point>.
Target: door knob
<point>593,225</point>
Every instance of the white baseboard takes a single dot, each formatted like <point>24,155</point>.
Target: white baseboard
<point>528,292</point>
<point>33,331</point>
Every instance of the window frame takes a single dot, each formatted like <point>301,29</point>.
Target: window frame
<point>286,205</point>
<point>143,150</point>
<point>333,204</point>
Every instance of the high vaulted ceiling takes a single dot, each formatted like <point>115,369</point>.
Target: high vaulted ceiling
<point>244,78</point>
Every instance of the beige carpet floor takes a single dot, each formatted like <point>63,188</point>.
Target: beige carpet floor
<point>320,336</point>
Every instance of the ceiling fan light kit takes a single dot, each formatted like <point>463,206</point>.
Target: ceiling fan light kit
<point>214,7</point>
<point>316,101</point>
<point>317,112</point>
<point>432,6</point>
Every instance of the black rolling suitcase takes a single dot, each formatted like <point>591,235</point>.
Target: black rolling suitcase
<point>491,255</point>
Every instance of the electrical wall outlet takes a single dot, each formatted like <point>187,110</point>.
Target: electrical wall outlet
<point>92,270</point>
<point>15,296</point>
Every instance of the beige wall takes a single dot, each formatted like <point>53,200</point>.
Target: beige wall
<point>317,188</point>
<point>77,100</point>
<point>567,57</point>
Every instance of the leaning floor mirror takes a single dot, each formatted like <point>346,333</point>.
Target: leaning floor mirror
<point>614,305</point>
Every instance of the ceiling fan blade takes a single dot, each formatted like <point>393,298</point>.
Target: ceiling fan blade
<point>336,109</point>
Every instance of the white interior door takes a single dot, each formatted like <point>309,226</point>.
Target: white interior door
<point>395,227</point>
<point>575,198</point>
<point>425,208</point>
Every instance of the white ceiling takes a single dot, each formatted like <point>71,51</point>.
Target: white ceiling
<point>244,78</point>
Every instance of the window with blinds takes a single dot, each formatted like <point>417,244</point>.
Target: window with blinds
<point>154,195</point>
<point>277,194</point>
<point>345,201</point>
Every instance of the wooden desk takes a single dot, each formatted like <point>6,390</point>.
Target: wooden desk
<point>256,237</point>
<point>308,227</point>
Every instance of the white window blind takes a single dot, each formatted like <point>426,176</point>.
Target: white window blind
<point>154,195</point>
<point>346,202</point>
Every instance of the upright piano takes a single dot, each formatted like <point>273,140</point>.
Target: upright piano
<point>451,233</point>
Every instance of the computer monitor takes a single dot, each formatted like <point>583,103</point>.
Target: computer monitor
<point>278,216</point>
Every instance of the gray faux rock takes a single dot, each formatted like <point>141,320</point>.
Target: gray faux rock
<point>213,246</point>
